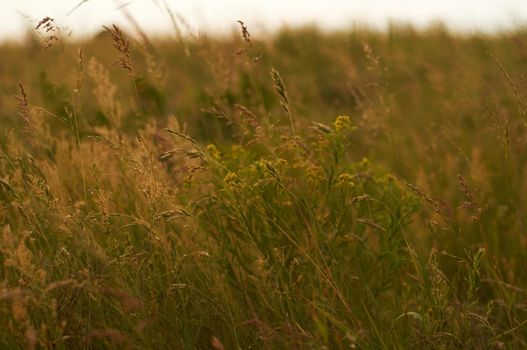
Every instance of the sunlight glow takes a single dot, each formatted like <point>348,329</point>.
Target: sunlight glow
<point>216,16</point>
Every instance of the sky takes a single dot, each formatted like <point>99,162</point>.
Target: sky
<point>220,16</point>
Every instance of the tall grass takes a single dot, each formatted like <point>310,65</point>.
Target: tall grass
<point>328,191</point>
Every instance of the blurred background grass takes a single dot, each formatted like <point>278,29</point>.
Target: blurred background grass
<point>443,113</point>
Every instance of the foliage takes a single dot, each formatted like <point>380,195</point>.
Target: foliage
<point>327,191</point>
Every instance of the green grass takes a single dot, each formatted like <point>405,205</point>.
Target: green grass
<point>305,191</point>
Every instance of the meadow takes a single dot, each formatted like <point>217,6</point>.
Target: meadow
<point>303,190</point>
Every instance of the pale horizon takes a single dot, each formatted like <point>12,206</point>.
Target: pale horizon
<point>219,17</point>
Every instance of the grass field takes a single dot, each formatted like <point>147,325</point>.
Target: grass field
<point>309,190</point>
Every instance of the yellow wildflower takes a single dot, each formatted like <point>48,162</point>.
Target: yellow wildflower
<point>345,181</point>
<point>213,152</point>
<point>237,152</point>
<point>343,123</point>
<point>232,181</point>
<point>315,175</point>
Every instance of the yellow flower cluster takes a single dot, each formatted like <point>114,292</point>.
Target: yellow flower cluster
<point>213,152</point>
<point>345,181</point>
<point>237,152</point>
<point>274,168</point>
<point>232,181</point>
<point>315,175</point>
<point>343,124</point>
